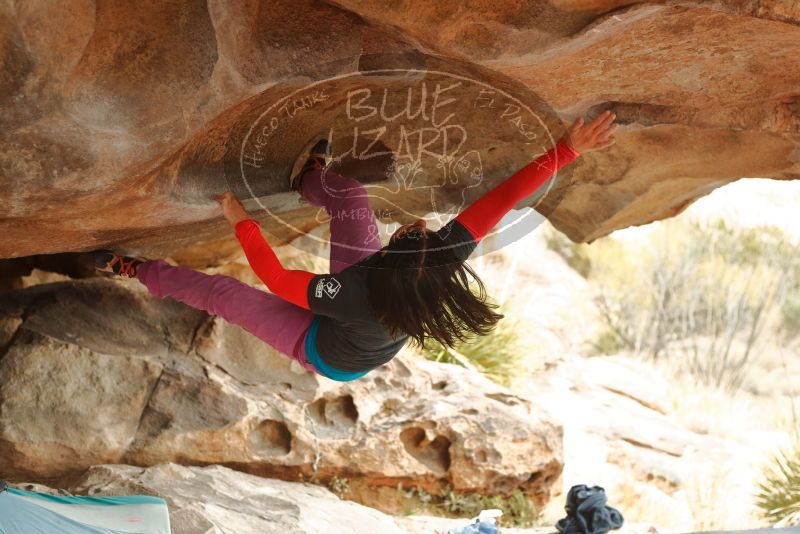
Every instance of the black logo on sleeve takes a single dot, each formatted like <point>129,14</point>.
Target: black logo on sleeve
<point>330,287</point>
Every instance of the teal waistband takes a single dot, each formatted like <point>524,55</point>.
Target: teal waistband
<point>314,359</point>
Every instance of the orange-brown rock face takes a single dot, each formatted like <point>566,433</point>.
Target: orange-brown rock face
<point>121,122</point>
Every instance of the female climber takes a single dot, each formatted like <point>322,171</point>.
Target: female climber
<point>346,323</point>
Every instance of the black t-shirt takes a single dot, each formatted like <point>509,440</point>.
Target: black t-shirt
<point>349,336</point>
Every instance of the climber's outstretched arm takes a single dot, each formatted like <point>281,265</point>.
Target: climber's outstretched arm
<point>290,285</point>
<point>483,214</point>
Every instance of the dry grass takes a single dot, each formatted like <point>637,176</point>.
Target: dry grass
<point>721,488</point>
<point>713,493</point>
<point>640,503</point>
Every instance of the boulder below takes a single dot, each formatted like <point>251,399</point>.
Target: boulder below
<point>221,500</point>
<point>98,371</point>
<point>216,499</point>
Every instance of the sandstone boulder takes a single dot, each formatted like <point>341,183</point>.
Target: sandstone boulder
<point>220,500</point>
<point>620,433</point>
<point>99,371</point>
<point>217,499</point>
<point>122,123</point>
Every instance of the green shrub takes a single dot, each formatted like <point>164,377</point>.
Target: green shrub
<point>607,343</point>
<point>790,314</point>
<point>339,486</point>
<point>575,254</point>
<point>779,494</point>
<point>498,355</point>
<point>706,292</point>
<point>518,509</point>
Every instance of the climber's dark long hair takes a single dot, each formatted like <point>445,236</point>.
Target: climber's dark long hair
<point>420,288</point>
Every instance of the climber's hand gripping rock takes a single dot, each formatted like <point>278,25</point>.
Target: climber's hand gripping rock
<point>597,134</point>
<point>232,209</point>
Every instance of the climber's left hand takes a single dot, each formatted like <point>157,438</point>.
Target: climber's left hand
<point>594,135</point>
<point>232,209</point>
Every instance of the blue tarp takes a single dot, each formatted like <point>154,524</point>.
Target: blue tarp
<point>28,512</point>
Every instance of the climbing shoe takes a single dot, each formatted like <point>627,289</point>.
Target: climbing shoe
<point>319,156</point>
<point>110,262</point>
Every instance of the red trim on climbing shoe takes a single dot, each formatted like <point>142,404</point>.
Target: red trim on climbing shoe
<point>116,264</point>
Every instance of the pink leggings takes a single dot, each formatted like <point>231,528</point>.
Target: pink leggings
<point>281,324</point>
